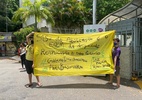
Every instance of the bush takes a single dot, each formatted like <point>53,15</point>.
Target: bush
<point>21,35</point>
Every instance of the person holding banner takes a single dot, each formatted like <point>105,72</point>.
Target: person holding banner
<point>116,59</point>
<point>29,60</point>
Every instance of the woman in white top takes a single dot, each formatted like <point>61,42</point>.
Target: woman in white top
<point>22,54</point>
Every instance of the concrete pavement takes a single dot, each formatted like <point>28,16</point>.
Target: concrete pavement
<point>13,79</point>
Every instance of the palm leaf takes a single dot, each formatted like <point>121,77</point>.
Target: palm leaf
<point>36,10</point>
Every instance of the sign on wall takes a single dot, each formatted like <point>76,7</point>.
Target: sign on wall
<point>94,28</point>
<point>5,37</point>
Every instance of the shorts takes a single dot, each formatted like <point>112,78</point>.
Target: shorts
<point>28,66</point>
<point>117,72</point>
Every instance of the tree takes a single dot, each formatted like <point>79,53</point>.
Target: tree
<point>7,7</point>
<point>21,35</point>
<point>105,7</point>
<point>72,13</point>
<point>36,9</point>
<point>69,13</point>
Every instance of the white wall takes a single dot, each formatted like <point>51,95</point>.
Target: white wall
<point>126,62</point>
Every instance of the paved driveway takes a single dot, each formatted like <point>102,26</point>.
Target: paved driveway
<point>13,79</point>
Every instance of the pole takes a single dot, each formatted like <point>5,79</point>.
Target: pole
<point>94,11</point>
<point>6,18</point>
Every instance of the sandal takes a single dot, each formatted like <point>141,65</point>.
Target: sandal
<point>28,85</point>
<point>117,86</point>
<point>110,83</point>
<point>39,84</point>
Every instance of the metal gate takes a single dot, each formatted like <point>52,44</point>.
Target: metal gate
<point>130,33</point>
<point>137,47</point>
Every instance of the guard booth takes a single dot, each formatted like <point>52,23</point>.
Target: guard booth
<point>130,34</point>
<point>127,22</point>
<point>6,39</point>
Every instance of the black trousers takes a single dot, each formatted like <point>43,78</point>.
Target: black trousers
<point>22,60</point>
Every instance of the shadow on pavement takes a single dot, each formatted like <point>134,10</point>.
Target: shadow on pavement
<point>23,70</point>
<point>79,85</point>
<point>16,62</point>
<point>34,85</point>
<point>124,82</point>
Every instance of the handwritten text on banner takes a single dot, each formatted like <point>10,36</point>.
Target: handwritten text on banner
<point>73,54</point>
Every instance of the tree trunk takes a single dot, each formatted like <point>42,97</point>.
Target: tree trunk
<point>35,25</point>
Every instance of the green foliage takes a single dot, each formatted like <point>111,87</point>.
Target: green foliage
<point>69,13</point>
<point>89,6</point>
<point>21,34</point>
<point>35,10</point>
<point>7,8</point>
<point>105,7</point>
<point>72,13</point>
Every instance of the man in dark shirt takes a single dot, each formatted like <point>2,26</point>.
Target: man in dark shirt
<point>116,59</point>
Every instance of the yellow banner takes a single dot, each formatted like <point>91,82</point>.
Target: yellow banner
<point>73,54</point>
